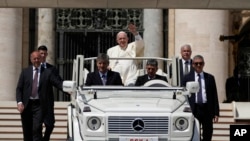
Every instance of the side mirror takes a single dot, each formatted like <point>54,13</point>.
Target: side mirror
<point>69,86</point>
<point>192,87</point>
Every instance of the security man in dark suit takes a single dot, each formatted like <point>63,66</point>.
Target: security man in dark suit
<point>49,120</point>
<point>151,67</point>
<point>32,96</point>
<point>185,62</point>
<point>103,76</point>
<point>204,104</point>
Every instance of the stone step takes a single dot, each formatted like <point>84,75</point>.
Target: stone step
<point>221,129</point>
<point>221,126</point>
<point>17,117</point>
<point>57,130</point>
<point>17,123</point>
<point>10,122</point>
<point>226,114</point>
<point>220,138</point>
<point>18,136</point>
<point>14,111</point>
<point>226,106</point>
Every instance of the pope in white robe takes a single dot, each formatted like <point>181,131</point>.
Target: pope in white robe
<point>126,68</point>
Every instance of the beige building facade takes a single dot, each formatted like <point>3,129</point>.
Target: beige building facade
<point>199,28</point>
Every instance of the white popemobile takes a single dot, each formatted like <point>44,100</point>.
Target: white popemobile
<point>156,111</point>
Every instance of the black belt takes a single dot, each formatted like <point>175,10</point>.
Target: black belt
<point>201,105</point>
<point>34,101</point>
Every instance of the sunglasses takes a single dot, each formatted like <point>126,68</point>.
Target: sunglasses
<point>198,63</point>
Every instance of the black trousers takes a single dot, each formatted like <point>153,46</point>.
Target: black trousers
<point>206,121</point>
<point>49,122</point>
<point>32,121</point>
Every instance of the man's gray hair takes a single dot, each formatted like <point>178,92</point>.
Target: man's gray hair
<point>198,57</point>
<point>186,45</point>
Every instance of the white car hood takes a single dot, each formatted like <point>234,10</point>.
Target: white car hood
<point>135,104</point>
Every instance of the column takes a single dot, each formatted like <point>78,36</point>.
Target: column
<point>46,32</point>
<point>11,51</point>
<point>201,29</point>
<point>153,33</point>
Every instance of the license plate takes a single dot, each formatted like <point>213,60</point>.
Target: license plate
<point>138,138</point>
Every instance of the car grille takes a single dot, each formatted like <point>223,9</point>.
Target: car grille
<point>138,125</point>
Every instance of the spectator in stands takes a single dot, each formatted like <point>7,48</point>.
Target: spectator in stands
<point>151,67</point>
<point>103,76</point>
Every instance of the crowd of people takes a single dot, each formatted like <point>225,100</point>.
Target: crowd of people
<point>34,91</point>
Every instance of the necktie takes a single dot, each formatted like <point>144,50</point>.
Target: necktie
<point>34,84</point>
<point>151,78</point>
<point>186,68</point>
<point>43,65</point>
<point>199,96</point>
<point>104,79</point>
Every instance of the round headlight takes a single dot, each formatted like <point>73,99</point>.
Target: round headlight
<point>94,123</point>
<point>181,123</point>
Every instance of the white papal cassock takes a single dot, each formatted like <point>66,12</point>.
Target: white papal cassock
<point>126,68</point>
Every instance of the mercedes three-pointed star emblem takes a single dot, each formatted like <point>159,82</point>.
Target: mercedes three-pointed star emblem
<point>138,125</point>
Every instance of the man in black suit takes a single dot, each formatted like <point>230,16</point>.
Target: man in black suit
<point>204,104</point>
<point>32,96</point>
<point>49,119</point>
<point>151,67</point>
<point>103,76</point>
<point>185,61</point>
